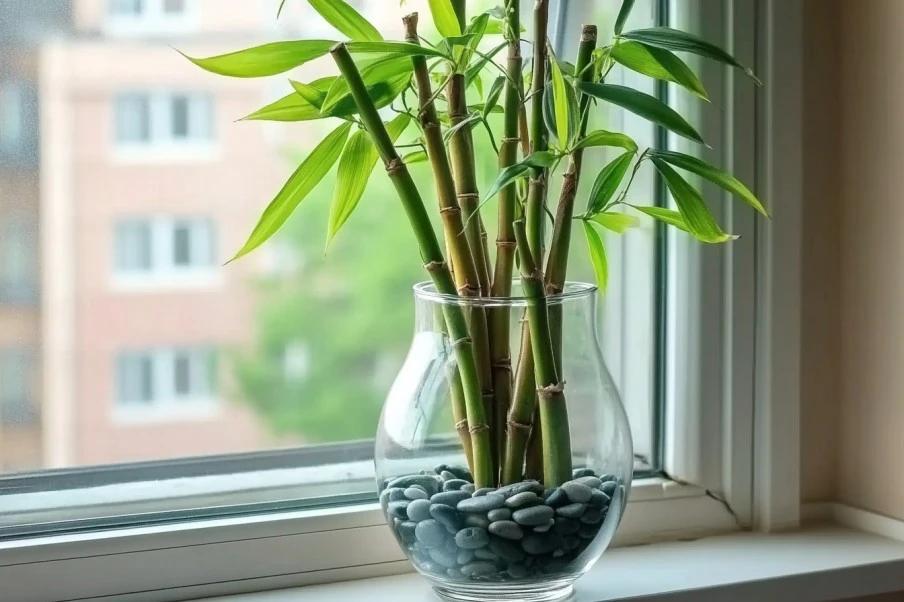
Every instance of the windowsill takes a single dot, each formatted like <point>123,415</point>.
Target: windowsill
<point>820,563</point>
<point>186,279</point>
<point>201,409</point>
<point>164,154</point>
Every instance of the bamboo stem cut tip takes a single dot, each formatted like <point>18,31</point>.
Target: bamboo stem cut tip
<point>588,33</point>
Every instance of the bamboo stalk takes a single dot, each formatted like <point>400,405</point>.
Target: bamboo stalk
<point>536,196</point>
<point>432,256</point>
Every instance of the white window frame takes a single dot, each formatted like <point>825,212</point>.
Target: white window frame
<point>756,416</point>
<point>151,20</point>
<point>162,145</point>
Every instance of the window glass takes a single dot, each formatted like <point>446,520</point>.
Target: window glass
<point>133,118</point>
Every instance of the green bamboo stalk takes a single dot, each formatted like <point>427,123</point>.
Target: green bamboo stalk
<point>536,196</point>
<point>432,256</point>
<point>550,390</point>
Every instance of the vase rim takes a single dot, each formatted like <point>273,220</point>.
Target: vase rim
<point>572,290</point>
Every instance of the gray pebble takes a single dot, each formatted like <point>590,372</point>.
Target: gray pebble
<point>486,554</point>
<point>557,498</point>
<point>454,484</point>
<point>566,526</point>
<point>558,553</point>
<point>577,492</point>
<point>468,488</point>
<point>384,498</point>
<point>570,543</point>
<point>609,488</point>
<point>419,510</point>
<point>406,531</point>
<point>431,567</point>
<point>460,472</point>
<point>588,531</point>
<point>446,516</point>
<point>472,538</point>
<point>465,556</point>
<point>416,493</point>
<point>608,477</point>
<point>535,515</point>
<point>428,482</point>
<point>439,468</point>
<point>483,503</point>
<point>476,520</point>
<point>581,472</point>
<point>508,551</point>
<point>478,568</point>
<point>451,547</point>
<point>499,514</point>
<point>454,573</point>
<point>483,491</point>
<point>544,528</point>
<point>598,499</point>
<point>449,498</point>
<point>398,509</point>
<point>442,557</point>
<point>516,488</point>
<point>506,529</point>
<point>540,544</point>
<point>547,492</point>
<point>591,516</point>
<point>525,498</point>
<point>592,482</point>
<point>430,533</point>
<point>517,571</point>
<point>445,475</point>
<point>571,510</point>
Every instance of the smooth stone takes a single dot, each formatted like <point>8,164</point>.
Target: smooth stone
<point>452,547</point>
<point>482,491</point>
<point>478,568</point>
<point>516,488</point>
<point>442,557</point>
<point>540,544</point>
<point>439,468</point>
<point>419,510</point>
<point>476,520</point>
<point>571,510</point>
<point>570,543</point>
<point>430,533</point>
<point>517,571</point>
<point>406,531</point>
<point>484,503</point>
<point>558,553</point>
<point>588,531</point>
<point>428,482</point>
<point>525,498</point>
<point>506,550</point>
<point>431,567</point>
<point>557,498</point>
<point>465,556</point>
<point>592,482</point>
<point>608,477</point>
<point>582,472</point>
<point>544,528</point>
<point>506,529</point>
<point>547,492</point>
<point>566,526</point>
<point>554,567</point>
<point>609,488</point>
<point>467,487</point>
<point>499,514</point>
<point>454,484</point>
<point>416,493</point>
<point>535,515</point>
<point>445,475</point>
<point>577,493</point>
<point>485,554</point>
<point>598,499</point>
<point>472,538</point>
<point>591,516</point>
<point>398,509</point>
<point>449,498</point>
<point>460,472</point>
<point>454,573</point>
<point>446,516</point>
<point>386,497</point>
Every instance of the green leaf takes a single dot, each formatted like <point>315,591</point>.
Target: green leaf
<point>700,222</point>
<point>311,171</point>
<point>444,18</point>
<point>473,71</point>
<point>518,171</point>
<point>467,121</point>
<point>617,222</point>
<point>399,48</point>
<point>309,93</point>
<point>597,255</point>
<point>540,159</point>
<point>644,105</point>
<point>659,64</point>
<point>261,61</point>
<point>680,41</point>
<point>385,71</point>
<point>607,182</point>
<point>346,20</point>
<point>415,157</point>
<point>493,95</point>
<point>623,14</point>
<point>294,107</point>
<point>282,4</point>
<point>355,167</point>
<point>667,216</point>
<point>560,100</point>
<point>604,138</point>
<point>720,178</point>
<point>496,26</point>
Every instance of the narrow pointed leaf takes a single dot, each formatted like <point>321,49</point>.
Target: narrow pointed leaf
<point>355,167</point>
<point>310,93</point>
<point>311,171</point>
<point>560,100</point>
<point>496,26</point>
<point>282,4</point>
<point>493,95</point>
<point>473,72</point>
<point>680,41</point>
<point>607,182</point>
<point>541,159</point>
<point>518,171</point>
<point>720,178</point>
<point>467,121</point>
<point>294,107</point>
<point>597,255</point>
<point>604,138</point>
<point>667,216</point>
<point>346,20</point>
<point>644,105</point>
<point>616,222</point>
<point>261,61</point>
<point>415,157</point>
<point>400,48</point>
<point>658,63</point>
<point>697,216</point>
<point>383,70</point>
<point>623,15</point>
<point>444,18</point>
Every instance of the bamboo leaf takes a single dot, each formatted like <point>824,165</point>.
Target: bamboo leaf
<point>473,72</point>
<point>518,171</point>
<point>470,119</point>
<point>493,95</point>
<point>616,222</point>
<point>560,101</point>
<point>680,41</point>
<point>623,15</point>
<point>720,178</point>
<point>346,20</point>
<point>399,48</point>
<point>385,70</point>
<point>597,255</point>
<point>496,26</point>
<point>355,167</point>
<point>644,105</point>
<point>311,171</point>
<point>293,107</point>
<point>261,61</point>
<point>657,63</point>
<point>282,4</point>
<point>540,159</point>
<point>415,157</point>
<point>700,222</point>
<point>444,18</point>
<point>667,216</point>
<point>604,138</point>
<point>607,183</point>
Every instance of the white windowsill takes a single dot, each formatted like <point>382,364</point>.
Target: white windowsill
<point>187,279</point>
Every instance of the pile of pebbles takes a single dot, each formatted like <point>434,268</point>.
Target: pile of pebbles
<point>514,532</point>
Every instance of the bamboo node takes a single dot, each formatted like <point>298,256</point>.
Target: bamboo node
<point>503,364</point>
<point>477,428</point>
<point>435,266</point>
<point>468,195</point>
<point>451,210</point>
<point>506,244</point>
<point>553,288</point>
<point>393,165</point>
<point>461,341</point>
<point>550,391</point>
<point>515,140</point>
<point>466,290</point>
<point>520,426</point>
<point>461,424</point>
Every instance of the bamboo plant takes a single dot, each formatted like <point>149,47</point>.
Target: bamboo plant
<point>511,418</point>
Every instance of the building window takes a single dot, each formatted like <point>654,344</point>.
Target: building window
<point>163,247</point>
<point>18,260</point>
<point>162,119</point>
<point>127,7</point>
<point>173,7</point>
<point>137,17</point>
<point>17,404</point>
<point>165,377</point>
<point>12,115</point>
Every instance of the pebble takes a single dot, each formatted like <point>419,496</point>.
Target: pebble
<point>465,556</point>
<point>598,499</point>
<point>609,488</point>
<point>385,498</point>
<point>570,543</point>
<point>430,533</point>
<point>398,509</point>
<point>454,573</point>
<point>588,531</point>
<point>439,468</point>
<point>608,477</point>
<point>428,482</point>
<point>525,498</point>
<point>582,472</point>
<point>506,550</point>
<point>516,488</point>
<point>430,567</point>
<point>484,503</point>
<point>454,484</point>
<point>468,488</point>
<point>566,526</point>
<point>478,568</point>
<point>483,491</point>
<point>592,482</point>
<point>516,571</point>
<point>442,557</point>
<point>546,527</point>
<point>416,493</point>
<point>419,510</point>
<point>451,547</point>
<point>506,529</point>
<point>486,554</point>
<point>557,499</point>
<point>472,538</point>
<point>449,498</point>
<point>477,520</point>
<point>460,472</point>
<point>499,514</point>
<point>571,510</point>
<point>591,516</point>
<point>446,516</point>
<point>535,515</point>
<point>558,553</point>
<point>406,531</point>
<point>445,475</point>
<point>539,544</point>
<point>577,492</point>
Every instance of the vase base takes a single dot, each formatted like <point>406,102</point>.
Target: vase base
<point>507,592</point>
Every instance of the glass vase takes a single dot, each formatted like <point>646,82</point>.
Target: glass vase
<point>524,540</point>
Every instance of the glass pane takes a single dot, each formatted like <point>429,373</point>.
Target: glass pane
<point>133,118</point>
<point>133,246</point>
<point>180,117</point>
<point>173,7</point>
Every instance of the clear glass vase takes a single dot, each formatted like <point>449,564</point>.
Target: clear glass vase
<point>514,541</point>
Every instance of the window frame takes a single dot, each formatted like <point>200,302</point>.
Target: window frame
<point>158,140</point>
<point>151,19</point>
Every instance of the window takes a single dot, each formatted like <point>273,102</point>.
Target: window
<point>18,261</point>
<point>165,377</point>
<point>12,115</point>
<point>160,120</point>
<point>17,403</point>
<point>162,248</point>
<point>149,17</point>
